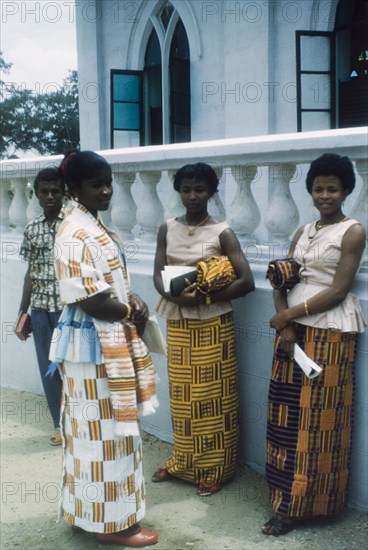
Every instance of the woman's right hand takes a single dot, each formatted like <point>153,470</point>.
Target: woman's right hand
<point>190,296</point>
<point>287,339</point>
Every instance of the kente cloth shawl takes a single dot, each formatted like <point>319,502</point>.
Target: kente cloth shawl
<point>214,273</point>
<point>89,259</point>
<point>283,273</point>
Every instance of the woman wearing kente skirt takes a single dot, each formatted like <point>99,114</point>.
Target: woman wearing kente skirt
<point>201,339</point>
<point>309,420</point>
<point>108,375</point>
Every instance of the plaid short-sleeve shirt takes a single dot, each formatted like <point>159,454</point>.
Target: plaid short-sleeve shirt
<point>38,249</point>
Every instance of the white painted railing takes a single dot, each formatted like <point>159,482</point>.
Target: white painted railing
<point>262,194</point>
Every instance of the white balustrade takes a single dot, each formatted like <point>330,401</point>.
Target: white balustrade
<point>136,212</point>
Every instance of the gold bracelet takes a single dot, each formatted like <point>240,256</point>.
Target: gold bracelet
<point>207,300</point>
<point>306,308</point>
<point>128,313</point>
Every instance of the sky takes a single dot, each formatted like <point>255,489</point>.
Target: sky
<point>39,39</point>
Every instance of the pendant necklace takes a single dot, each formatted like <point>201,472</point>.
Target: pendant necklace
<point>194,229</point>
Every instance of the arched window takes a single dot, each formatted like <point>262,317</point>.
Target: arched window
<point>152,106</point>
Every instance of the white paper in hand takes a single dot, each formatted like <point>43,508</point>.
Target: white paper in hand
<point>308,366</point>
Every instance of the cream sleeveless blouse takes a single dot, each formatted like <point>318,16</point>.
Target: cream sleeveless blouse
<point>319,252</point>
<point>182,249</point>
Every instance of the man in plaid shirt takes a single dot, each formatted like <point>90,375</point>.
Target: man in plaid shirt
<point>40,288</point>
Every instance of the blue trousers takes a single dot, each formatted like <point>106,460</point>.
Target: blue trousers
<point>43,324</point>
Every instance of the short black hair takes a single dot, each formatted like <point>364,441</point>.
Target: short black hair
<point>79,165</point>
<point>198,172</point>
<point>331,164</point>
<point>49,174</point>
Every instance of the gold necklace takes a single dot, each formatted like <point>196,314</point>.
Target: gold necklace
<point>319,225</point>
<point>192,231</point>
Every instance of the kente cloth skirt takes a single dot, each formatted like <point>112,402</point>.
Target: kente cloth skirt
<point>103,484</point>
<point>203,399</point>
<point>309,426</point>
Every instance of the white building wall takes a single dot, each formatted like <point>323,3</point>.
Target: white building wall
<point>243,65</point>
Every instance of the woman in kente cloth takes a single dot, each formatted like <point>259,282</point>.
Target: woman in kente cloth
<point>108,376</point>
<point>309,420</point>
<point>201,339</point>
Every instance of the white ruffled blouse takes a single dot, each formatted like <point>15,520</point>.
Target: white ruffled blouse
<point>319,252</point>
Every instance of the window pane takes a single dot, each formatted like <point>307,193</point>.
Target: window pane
<point>153,51</point>
<point>126,139</point>
<point>315,53</point>
<point>316,91</point>
<point>125,87</point>
<point>181,109</point>
<point>126,116</point>
<point>316,121</point>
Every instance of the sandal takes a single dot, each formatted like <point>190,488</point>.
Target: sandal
<point>205,490</point>
<point>56,440</point>
<point>278,525</point>
<point>161,475</point>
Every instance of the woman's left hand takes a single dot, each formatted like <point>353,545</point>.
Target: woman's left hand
<point>140,313</point>
<point>279,320</point>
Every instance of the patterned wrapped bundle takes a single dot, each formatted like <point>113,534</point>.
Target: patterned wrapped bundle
<point>283,273</point>
<point>214,273</point>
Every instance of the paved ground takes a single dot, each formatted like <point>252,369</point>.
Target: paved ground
<point>230,519</point>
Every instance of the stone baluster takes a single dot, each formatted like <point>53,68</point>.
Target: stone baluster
<point>215,205</point>
<point>18,207</point>
<point>244,215</point>
<point>174,207</point>
<point>282,216</point>
<point>33,209</point>
<point>150,212</point>
<point>123,209</point>
<point>5,205</point>
<point>360,209</point>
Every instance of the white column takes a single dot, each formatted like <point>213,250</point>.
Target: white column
<point>18,207</point>
<point>123,209</point>
<point>244,215</point>
<point>150,212</point>
<point>282,216</point>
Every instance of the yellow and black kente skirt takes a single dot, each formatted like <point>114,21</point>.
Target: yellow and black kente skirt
<point>203,399</point>
<point>309,426</point>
